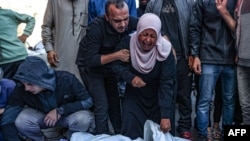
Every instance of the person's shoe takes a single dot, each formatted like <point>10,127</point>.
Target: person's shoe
<point>186,135</point>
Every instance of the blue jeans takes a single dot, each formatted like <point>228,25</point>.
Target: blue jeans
<point>244,88</point>
<point>209,76</point>
<point>30,122</point>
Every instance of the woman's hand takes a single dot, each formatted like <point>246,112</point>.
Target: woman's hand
<point>138,82</point>
<point>165,125</point>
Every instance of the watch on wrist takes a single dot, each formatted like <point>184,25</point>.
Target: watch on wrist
<point>60,110</point>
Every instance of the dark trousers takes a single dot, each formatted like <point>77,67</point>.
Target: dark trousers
<point>10,69</point>
<point>10,132</point>
<point>184,87</point>
<point>217,102</point>
<point>103,89</point>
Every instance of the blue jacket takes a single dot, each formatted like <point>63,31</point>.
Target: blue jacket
<point>6,87</point>
<point>97,8</point>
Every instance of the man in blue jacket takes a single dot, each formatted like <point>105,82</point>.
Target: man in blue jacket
<point>44,98</point>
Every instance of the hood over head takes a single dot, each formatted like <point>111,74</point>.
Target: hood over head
<point>35,71</point>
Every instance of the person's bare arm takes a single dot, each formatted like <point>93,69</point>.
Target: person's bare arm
<point>222,8</point>
<point>122,55</point>
<point>23,38</point>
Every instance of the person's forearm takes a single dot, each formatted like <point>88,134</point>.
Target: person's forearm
<point>228,19</point>
<point>108,58</point>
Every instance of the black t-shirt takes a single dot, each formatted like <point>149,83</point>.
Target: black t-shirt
<point>170,24</point>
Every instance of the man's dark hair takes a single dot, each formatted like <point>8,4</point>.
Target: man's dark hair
<point>119,4</point>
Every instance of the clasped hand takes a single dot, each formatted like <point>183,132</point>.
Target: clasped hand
<point>138,82</point>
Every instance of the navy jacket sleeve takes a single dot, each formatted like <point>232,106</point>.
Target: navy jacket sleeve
<point>121,68</point>
<point>195,29</point>
<point>78,97</point>
<point>167,86</point>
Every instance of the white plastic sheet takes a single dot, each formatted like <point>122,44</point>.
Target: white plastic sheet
<point>83,136</point>
<point>152,132</point>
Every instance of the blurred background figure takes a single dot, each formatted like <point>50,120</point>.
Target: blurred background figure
<point>141,8</point>
<point>97,8</point>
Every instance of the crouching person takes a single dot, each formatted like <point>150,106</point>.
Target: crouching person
<point>46,98</point>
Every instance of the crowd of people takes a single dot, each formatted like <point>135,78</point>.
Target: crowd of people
<point>158,49</point>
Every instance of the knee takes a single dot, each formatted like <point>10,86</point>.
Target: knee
<point>20,121</point>
<point>81,120</point>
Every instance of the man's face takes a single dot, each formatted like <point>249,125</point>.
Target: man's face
<point>143,2</point>
<point>34,89</point>
<point>118,18</point>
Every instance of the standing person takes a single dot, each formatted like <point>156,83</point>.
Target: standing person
<point>45,98</point>
<point>174,16</point>
<point>150,77</point>
<point>12,48</point>
<point>97,8</point>
<point>95,54</point>
<point>241,26</point>
<point>213,48</point>
<point>142,7</point>
<point>64,25</point>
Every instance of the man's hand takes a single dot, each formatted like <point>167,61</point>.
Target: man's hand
<point>123,55</point>
<point>165,125</point>
<point>221,5</point>
<point>197,66</point>
<point>23,38</point>
<point>138,82</point>
<point>190,62</point>
<point>51,118</point>
<point>52,58</point>
<point>1,110</point>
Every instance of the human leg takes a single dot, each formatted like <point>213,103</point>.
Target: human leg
<point>114,102</point>
<point>83,73</point>
<point>98,93</point>
<point>228,82</point>
<point>10,69</point>
<point>207,82</point>
<point>217,110</point>
<point>243,79</point>
<point>237,112</point>
<point>29,123</point>
<point>81,121</point>
<point>184,86</point>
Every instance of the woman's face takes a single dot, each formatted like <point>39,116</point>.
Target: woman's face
<point>147,39</point>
